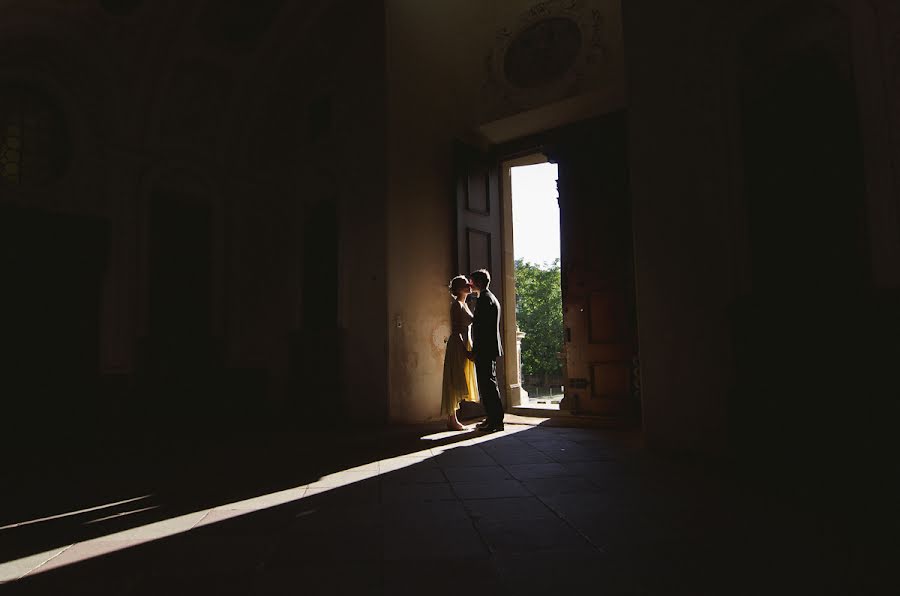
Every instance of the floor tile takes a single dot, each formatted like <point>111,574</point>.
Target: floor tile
<point>315,578</point>
<point>494,489</point>
<point>582,506</point>
<point>358,493</point>
<point>464,457</point>
<point>559,486</point>
<point>476,474</point>
<point>519,456</point>
<point>417,492</point>
<point>414,475</point>
<point>541,574</point>
<point>343,478</point>
<point>159,529</point>
<point>267,500</point>
<point>530,536</point>
<point>438,543</point>
<point>392,464</point>
<point>16,568</point>
<point>89,550</point>
<point>449,577</point>
<point>509,509</point>
<point>531,471</point>
<point>424,514</point>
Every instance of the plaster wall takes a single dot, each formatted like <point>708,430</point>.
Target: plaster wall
<point>691,242</point>
<point>169,97</point>
<point>443,85</point>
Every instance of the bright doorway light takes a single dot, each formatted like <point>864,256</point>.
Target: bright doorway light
<point>537,256</point>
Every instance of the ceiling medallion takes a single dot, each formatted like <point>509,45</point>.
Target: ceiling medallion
<point>547,54</point>
<point>542,53</point>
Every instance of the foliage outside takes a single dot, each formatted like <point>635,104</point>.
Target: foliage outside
<point>539,315</point>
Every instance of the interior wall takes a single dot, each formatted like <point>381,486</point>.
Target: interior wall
<point>692,250</point>
<point>444,83</point>
<point>319,140</point>
<point>264,122</point>
<point>681,196</point>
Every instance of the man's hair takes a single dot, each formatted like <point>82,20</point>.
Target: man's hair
<point>482,278</point>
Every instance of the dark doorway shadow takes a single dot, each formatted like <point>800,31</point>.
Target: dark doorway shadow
<point>52,267</point>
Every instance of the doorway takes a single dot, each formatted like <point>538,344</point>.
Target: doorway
<point>316,347</point>
<point>533,211</point>
<point>599,364</point>
<point>54,266</point>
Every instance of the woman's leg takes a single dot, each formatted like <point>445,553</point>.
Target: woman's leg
<point>453,422</point>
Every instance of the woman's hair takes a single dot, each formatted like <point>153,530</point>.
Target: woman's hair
<point>457,283</point>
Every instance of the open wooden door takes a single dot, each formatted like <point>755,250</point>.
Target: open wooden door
<point>598,272</point>
<point>478,214</point>
<point>478,228</point>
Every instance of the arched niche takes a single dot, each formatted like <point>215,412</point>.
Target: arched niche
<point>804,184</point>
<point>317,344</point>
<point>798,330</point>
<point>55,75</point>
<point>181,278</point>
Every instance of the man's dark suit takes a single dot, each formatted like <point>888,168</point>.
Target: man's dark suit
<point>486,348</point>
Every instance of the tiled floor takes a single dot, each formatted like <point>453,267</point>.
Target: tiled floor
<point>537,509</point>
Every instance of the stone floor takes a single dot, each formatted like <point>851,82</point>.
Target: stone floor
<point>540,508</point>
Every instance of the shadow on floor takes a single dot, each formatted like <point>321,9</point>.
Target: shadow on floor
<point>537,509</point>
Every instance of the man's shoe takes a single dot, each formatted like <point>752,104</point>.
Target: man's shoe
<point>491,428</point>
<point>483,424</point>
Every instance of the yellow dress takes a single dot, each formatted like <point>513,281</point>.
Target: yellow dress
<point>459,372</point>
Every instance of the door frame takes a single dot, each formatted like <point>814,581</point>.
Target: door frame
<point>527,150</point>
<point>512,380</point>
<point>524,151</point>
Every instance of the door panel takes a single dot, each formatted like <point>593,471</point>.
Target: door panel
<point>606,317</point>
<point>610,379</point>
<point>478,247</point>
<point>478,228</point>
<point>478,191</point>
<point>478,214</point>
<point>598,295</point>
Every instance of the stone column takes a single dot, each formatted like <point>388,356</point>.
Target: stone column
<point>523,395</point>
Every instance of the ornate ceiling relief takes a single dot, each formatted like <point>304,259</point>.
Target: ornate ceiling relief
<point>555,49</point>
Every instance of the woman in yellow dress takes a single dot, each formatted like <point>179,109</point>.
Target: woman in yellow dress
<point>459,372</point>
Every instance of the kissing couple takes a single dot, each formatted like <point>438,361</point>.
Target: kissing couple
<point>470,363</point>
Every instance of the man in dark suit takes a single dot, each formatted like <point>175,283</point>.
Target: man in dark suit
<point>486,349</point>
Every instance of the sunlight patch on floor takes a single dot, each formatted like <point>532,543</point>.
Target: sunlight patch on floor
<point>88,549</point>
<point>71,513</point>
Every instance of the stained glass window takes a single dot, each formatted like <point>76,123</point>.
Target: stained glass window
<point>33,142</point>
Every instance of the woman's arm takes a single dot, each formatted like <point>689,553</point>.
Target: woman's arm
<point>466,314</point>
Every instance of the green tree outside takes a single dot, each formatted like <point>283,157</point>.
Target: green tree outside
<point>539,315</point>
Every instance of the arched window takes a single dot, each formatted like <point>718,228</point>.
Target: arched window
<point>34,145</point>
